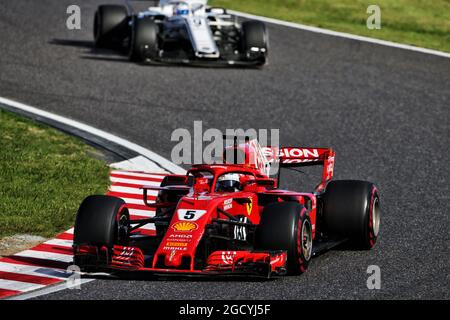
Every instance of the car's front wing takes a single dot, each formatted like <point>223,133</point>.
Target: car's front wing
<point>252,263</point>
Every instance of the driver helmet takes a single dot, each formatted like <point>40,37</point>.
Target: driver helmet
<point>229,182</point>
<point>181,9</point>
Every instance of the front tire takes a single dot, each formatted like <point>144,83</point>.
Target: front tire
<point>286,226</point>
<point>102,221</point>
<point>144,39</point>
<point>255,41</point>
<point>352,210</point>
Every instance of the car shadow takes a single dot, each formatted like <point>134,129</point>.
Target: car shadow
<point>145,276</point>
<point>118,59</point>
<point>120,55</point>
<point>348,246</point>
<point>73,43</point>
<point>90,47</point>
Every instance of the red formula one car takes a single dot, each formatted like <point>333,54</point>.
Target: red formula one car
<point>230,218</point>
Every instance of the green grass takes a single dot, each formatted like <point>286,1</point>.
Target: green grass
<point>44,176</point>
<point>424,23</point>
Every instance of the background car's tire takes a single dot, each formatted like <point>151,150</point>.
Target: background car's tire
<point>286,226</point>
<point>144,39</point>
<point>351,209</point>
<point>255,35</point>
<point>102,220</point>
<point>110,25</point>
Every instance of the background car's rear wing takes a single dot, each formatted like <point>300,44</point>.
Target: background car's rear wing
<point>301,157</point>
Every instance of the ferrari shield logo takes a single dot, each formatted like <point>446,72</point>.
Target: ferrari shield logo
<point>172,254</point>
<point>249,206</point>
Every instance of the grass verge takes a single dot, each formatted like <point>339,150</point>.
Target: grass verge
<point>422,23</point>
<point>44,176</point>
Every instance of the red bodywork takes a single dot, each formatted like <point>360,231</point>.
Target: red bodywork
<point>201,206</point>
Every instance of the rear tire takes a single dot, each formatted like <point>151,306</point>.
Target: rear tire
<point>352,210</point>
<point>255,41</point>
<point>110,25</point>
<point>102,221</point>
<point>286,226</point>
<point>144,39</point>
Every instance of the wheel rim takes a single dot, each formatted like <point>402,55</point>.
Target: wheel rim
<point>306,240</point>
<point>376,217</point>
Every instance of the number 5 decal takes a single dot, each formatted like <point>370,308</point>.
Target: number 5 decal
<point>190,214</point>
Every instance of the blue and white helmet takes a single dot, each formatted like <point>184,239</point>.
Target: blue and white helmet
<point>181,9</point>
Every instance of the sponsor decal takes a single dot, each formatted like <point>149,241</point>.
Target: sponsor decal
<point>299,152</point>
<point>175,249</point>
<point>291,155</point>
<point>228,256</point>
<point>178,241</point>
<point>182,226</point>
<point>126,252</point>
<point>176,244</point>
<point>299,160</point>
<point>228,204</point>
<point>180,237</point>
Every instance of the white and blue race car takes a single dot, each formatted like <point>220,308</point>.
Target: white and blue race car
<point>189,32</point>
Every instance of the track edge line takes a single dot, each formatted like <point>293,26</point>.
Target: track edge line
<point>340,34</point>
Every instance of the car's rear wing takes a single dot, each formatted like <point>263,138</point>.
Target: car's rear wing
<point>301,157</point>
<point>269,160</point>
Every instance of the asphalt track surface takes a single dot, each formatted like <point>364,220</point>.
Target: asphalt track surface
<point>385,111</point>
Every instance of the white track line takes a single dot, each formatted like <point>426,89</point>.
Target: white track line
<point>19,285</point>
<point>48,289</point>
<point>138,174</point>
<point>60,242</point>
<point>132,190</point>
<point>163,162</point>
<point>33,270</point>
<point>133,201</point>
<point>340,34</point>
<point>138,163</point>
<point>142,213</point>
<point>46,255</point>
<point>149,226</point>
<point>135,181</point>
